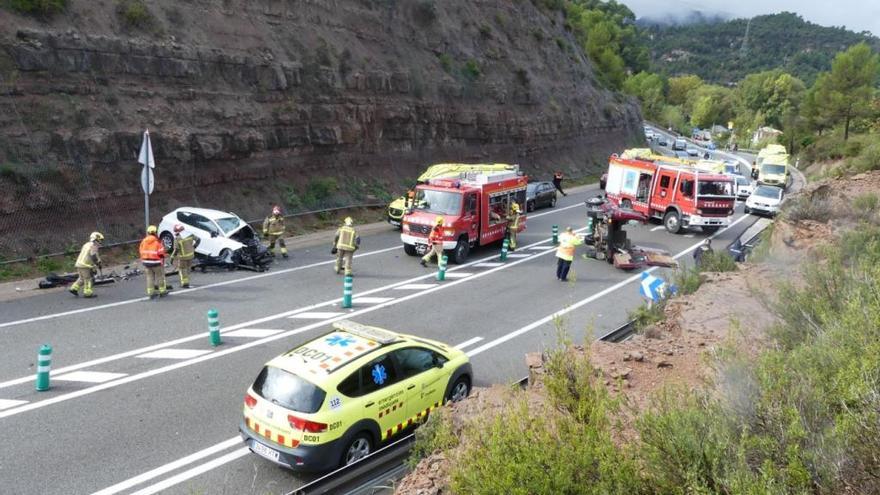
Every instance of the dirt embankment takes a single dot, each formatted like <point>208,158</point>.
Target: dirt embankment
<point>733,308</point>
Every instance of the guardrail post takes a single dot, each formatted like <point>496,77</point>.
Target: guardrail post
<point>441,264</point>
<point>505,246</point>
<point>44,365</point>
<point>214,327</point>
<point>347,284</point>
<point>555,235</point>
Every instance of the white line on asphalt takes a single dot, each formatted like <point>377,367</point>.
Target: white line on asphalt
<point>474,352</point>
<point>659,227</point>
<point>541,248</point>
<point>184,291</point>
<point>171,466</point>
<point>518,255</point>
<point>7,403</point>
<point>252,333</point>
<point>468,342</point>
<point>192,473</point>
<point>315,315</point>
<point>370,300</point>
<point>488,264</point>
<point>568,309</point>
<point>318,324</point>
<point>174,354</point>
<point>227,282</point>
<point>89,376</point>
<point>415,286</point>
<point>459,274</point>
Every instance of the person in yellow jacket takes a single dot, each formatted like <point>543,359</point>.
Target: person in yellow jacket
<point>273,228</point>
<point>513,219</point>
<point>85,264</point>
<point>184,251</point>
<point>568,241</point>
<point>345,244</point>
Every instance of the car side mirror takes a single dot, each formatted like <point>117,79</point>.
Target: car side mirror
<point>214,233</point>
<point>438,364</point>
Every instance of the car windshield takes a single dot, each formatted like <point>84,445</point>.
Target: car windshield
<point>229,224</point>
<point>531,188</point>
<point>715,188</point>
<point>770,168</point>
<point>742,181</point>
<point>768,192</point>
<point>288,390</point>
<point>443,202</point>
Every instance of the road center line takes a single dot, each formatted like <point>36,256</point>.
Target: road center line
<point>230,457</point>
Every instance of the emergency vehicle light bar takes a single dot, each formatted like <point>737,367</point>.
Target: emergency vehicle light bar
<point>372,333</point>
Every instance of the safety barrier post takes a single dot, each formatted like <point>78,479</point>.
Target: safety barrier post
<point>555,235</point>
<point>441,264</point>
<point>44,364</point>
<point>505,246</point>
<point>214,327</point>
<point>346,291</point>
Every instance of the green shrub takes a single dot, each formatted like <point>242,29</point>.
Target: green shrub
<point>868,159</point>
<point>471,70</point>
<point>319,191</point>
<point>485,31</point>
<point>135,14</point>
<point>717,261</point>
<point>865,203</point>
<point>446,62</point>
<point>803,208</point>
<point>42,8</point>
<point>687,279</point>
<point>646,315</point>
<point>433,436</point>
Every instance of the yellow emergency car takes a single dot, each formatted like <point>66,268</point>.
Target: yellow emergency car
<point>332,401</point>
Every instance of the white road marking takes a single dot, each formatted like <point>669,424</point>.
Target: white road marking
<point>7,403</point>
<point>315,315</point>
<point>225,282</point>
<point>569,309</point>
<point>89,376</point>
<point>689,236</point>
<point>415,286</point>
<point>459,274</point>
<point>659,227</point>
<point>488,265</point>
<point>174,354</point>
<point>192,473</point>
<point>518,255</point>
<point>468,342</point>
<point>251,333</point>
<point>479,350</point>
<point>542,248</point>
<point>171,466</point>
<point>371,300</point>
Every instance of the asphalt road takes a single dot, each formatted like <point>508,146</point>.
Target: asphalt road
<point>141,403</point>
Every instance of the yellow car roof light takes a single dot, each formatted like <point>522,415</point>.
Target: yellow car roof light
<point>372,333</point>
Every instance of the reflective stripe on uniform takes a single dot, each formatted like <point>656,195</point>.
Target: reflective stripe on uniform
<point>274,225</point>
<point>184,247</point>
<point>346,238</point>
<point>85,256</point>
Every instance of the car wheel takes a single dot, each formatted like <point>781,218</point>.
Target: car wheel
<point>553,202</point>
<point>710,229</point>
<point>530,206</point>
<point>410,249</point>
<point>359,447</point>
<point>460,390</point>
<point>747,210</point>
<point>460,253</point>
<point>627,204</point>
<point>167,241</point>
<point>672,221</point>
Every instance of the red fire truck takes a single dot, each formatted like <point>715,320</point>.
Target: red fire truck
<point>474,208</point>
<point>679,195</point>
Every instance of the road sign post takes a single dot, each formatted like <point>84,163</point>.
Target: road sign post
<point>145,158</point>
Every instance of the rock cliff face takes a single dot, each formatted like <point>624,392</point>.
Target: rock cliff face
<point>248,101</point>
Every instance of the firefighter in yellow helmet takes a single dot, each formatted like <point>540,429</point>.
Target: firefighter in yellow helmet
<point>345,244</point>
<point>85,265</point>
<point>273,228</point>
<point>184,251</point>
<point>513,219</point>
<point>435,240</point>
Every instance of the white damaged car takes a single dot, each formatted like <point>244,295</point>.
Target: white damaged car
<point>223,235</point>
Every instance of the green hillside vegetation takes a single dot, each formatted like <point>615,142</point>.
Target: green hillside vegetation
<point>713,50</point>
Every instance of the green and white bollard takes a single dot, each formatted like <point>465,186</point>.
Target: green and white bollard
<point>44,365</point>
<point>441,264</point>
<point>555,235</point>
<point>347,285</point>
<point>505,247</point>
<point>214,327</point>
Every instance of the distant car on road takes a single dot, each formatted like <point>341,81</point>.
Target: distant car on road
<point>692,151</point>
<point>335,399</point>
<point>731,167</point>
<point>679,145</point>
<point>765,200</point>
<point>662,140</point>
<point>743,187</point>
<point>221,233</point>
<point>540,194</point>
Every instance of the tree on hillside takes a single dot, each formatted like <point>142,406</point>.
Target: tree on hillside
<point>711,105</point>
<point>680,89</point>
<point>649,89</point>
<point>775,94</point>
<point>846,92</point>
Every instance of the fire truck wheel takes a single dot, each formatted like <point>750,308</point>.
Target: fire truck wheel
<point>409,249</point>
<point>709,229</point>
<point>460,253</point>
<point>672,221</point>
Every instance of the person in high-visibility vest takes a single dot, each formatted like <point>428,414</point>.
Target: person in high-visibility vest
<point>153,258</point>
<point>435,240</point>
<point>85,265</point>
<point>513,226</point>
<point>273,228</point>
<point>568,241</point>
<point>345,244</point>
<point>184,251</point>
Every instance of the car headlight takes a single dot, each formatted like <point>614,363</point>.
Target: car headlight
<point>449,232</point>
<point>405,227</point>
<point>699,211</point>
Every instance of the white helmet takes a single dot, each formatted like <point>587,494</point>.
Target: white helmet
<point>96,237</point>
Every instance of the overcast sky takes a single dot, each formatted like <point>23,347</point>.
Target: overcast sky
<point>856,15</point>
